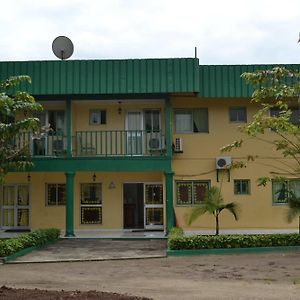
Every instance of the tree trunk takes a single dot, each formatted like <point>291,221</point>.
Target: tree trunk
<point>299,225</point>
<point>217,224</point>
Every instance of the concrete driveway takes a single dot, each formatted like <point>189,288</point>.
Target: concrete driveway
<point>66,250</point>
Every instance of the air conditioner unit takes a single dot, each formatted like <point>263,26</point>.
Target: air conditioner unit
<point>223,162</point>
<point>178,145</point>
<point>156,143</point>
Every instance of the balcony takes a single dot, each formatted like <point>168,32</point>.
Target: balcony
<point>96,143</point>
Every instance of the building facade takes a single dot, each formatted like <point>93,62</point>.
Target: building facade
<point>134,144</point>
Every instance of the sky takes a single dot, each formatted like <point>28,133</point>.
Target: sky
<point>224,31</point>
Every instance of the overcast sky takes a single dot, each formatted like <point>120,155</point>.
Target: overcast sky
<point>224,31</point>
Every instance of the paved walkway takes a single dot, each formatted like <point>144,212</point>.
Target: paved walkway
<point>66,250</point>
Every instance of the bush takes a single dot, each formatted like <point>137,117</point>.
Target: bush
<point>35,238</point>
<point>181,242</point>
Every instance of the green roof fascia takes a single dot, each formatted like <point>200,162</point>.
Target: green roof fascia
<point>106,77</point>
<point>224,81</point>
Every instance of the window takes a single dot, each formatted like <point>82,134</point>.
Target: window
<point>238,114</point>
<point>191,120</point>
<point>97,117</point>
<point>281,189</point>
<point>191,192</point>
<point>91,203</point>
<point>242,187</point>
<point>295,116</point>
<point>55,194</point>
<point>152,120</point>
<point>55,118</point>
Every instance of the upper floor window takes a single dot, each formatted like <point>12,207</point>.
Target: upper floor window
<point>238,114</point>
<point>152,120</point>
<point>55,119</point>
<point>97,117</point>
<point>281,189</point>
<point>295,116</point>
<point>191,120</point>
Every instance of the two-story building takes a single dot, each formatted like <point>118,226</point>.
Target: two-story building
<point>134,144</point>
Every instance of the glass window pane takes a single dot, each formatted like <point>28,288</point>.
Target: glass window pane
<point>91,193</point>
<point>241,187</point>
<point>23,195</point>
<point>199,189</point>
<point>154,216</point>
<point>8,217</point>
<point>8,195</point>
<point>51,193</point>
<point>91,215</point>
<point>61,194</point>
<point>23,217</point>
<point>154,194</point>
<point>238,114</point>
<point>280,192</point>
<point>200,120</point>
<point>294,186</point>
<point>183,121</point>
<point>184,193</point>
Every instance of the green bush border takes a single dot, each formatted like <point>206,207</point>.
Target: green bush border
<point>31,240</point>
<point>178,241</point>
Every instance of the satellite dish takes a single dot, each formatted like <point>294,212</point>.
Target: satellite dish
<point>62,47</point>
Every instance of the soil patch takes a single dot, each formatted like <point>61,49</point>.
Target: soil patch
<point>36,294</point>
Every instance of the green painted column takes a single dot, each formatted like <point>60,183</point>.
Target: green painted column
<point>69,127</point>
<point>169,201</point>
<point>168,126</point>
<point>70,204</point>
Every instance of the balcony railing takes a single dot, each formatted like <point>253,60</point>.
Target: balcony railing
<point>118,143</point>
<point>96,143</point>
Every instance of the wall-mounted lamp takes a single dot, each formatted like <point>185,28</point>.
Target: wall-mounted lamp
<point>94,177</point>
<point>112,185</point>
<point>28,177</point>
<point>119,108</point>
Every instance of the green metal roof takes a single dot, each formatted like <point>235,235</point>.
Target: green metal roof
<point>133,76</point>
<point>224,81</point>
<point>84,77</point>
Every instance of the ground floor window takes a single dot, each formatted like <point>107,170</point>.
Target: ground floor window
<point>91,203</point>
<point>191,192</point>
<point>242,187</point>
<point>281,189</point>
<point>55,194</point>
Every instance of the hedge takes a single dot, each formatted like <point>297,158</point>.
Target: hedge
<point>35,238</point>
<point>178,241</point>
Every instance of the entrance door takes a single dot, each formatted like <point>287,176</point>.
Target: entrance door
<point>133,194</point>
<point>15,206</point>
<point>154,217</point>
<point>134,127</point>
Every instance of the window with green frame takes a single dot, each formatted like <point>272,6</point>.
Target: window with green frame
<point>91,203</point>
<point>281,189</point>
<point>241,186</point>
<point>191,192</point>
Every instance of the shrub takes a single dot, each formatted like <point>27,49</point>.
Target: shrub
<point>181,242</point>
<point>35,238</point>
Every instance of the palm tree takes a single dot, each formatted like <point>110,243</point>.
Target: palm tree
<point>294,208</point>
<point>213,204</point>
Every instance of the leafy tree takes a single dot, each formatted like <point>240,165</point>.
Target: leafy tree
<point>15,118</point>
<point>213,204</point>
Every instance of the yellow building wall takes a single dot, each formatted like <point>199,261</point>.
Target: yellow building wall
<point>197,162</point>
<point>44,216</point>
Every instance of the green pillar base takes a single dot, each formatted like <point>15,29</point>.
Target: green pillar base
<point>70,234</point>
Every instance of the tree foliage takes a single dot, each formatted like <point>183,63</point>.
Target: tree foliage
<point>214,205</point>
<point>16,117</point>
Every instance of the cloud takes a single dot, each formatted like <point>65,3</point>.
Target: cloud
<point>224,32</point>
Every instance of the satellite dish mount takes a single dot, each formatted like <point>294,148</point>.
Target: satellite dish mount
<point>62,47</point>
